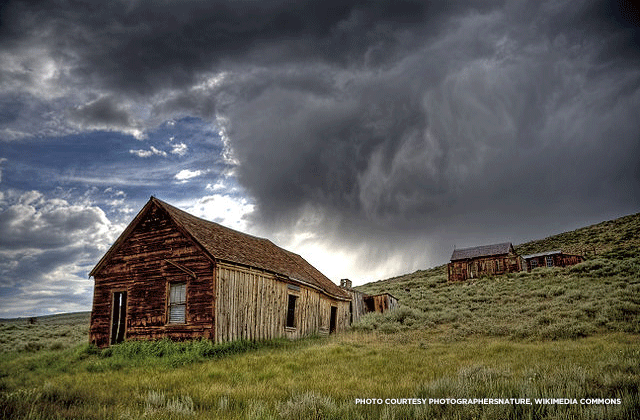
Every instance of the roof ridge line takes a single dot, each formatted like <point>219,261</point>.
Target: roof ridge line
<point>227,244</point>
<point>164,203</point>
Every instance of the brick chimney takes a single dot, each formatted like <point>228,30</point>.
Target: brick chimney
<point>345,283</point>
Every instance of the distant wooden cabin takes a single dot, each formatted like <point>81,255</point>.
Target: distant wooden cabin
<point>470,263</point>
<point>171,274</point>
<point>550,259</point>
<point>362,303</point>
<point>382,302</point>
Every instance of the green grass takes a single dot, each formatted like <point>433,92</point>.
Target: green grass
<point>297,379</point>
<point>596,296</point>
<point>55,332</point>
<point>606,237</point>
<point>568,333</point>
<point>599,295</point>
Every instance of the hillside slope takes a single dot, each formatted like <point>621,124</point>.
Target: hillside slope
<point>613,235</point>
<point>44,332</point>
<point>601,294</point>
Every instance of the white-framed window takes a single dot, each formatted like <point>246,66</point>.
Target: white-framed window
<point>534,263</point>
<point>178,303</point>
<point>549,261</point>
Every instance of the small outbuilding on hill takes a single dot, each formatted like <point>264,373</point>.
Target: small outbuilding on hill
<point>362,303</point>
<point>550,259</point>
<point>470,263</point>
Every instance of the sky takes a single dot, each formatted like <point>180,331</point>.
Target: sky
<point>370,137</point>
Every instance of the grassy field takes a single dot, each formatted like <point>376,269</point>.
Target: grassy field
<point>55,332</point>
<point>565,333</point>
<point>321,378</point>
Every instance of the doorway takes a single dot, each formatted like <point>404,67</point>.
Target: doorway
<point>119,317</point>
<point>332,320</point>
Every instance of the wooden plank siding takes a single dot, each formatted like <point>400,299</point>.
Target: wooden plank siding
<point>476,267</point>
<point>357,305</point>
<point>222,299</point>
<point>144,266</point>
<point>486,260</point>
<point>362,303</point>
<point>550,259</point>
<point>252,305</point>
<point>381,303</point>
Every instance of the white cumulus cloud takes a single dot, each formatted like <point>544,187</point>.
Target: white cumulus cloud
<point>218,186</point>
<point>47,248</point>
<point>179,149</point>
<point>228,210</point>
<point>148,153</point>
<point>186,174</point>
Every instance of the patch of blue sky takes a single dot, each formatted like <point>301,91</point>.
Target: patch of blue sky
<point>105,159</point>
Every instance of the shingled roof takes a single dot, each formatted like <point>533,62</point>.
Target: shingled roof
<point>481,251</point>
<point>229,245</point>
<point>541,254</point>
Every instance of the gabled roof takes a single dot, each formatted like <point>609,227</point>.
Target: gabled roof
<point>228,245</point>
<point>541,254</point>
<point>481,251</point>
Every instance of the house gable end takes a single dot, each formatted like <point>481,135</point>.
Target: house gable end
<point>147,219</point>
<point>152,257</point>
<point>120,241</point>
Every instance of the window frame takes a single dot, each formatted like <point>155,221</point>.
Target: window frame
<point>171,304</point>
<point>549,260</point>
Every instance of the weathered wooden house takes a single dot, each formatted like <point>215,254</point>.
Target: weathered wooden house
<point>550,259</point>
<point>171,274</point>
<point>470,263</point>
<point>362,303</point>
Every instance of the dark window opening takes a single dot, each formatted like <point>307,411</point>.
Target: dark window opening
<point>119,317</point>
<point>332,322</point>
<point>370,304</point>
<point>350,312</point>
<point>291,312</point>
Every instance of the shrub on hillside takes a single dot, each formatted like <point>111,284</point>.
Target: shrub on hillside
<point>368,322</point>
<point>157,402</point>
<point>309,406</point>
<point>399,319</point>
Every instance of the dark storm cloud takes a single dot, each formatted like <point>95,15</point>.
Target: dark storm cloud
<point>491,112</point>
<point>455,121</point>
<point>140,46</point>
<point>103,111</point>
